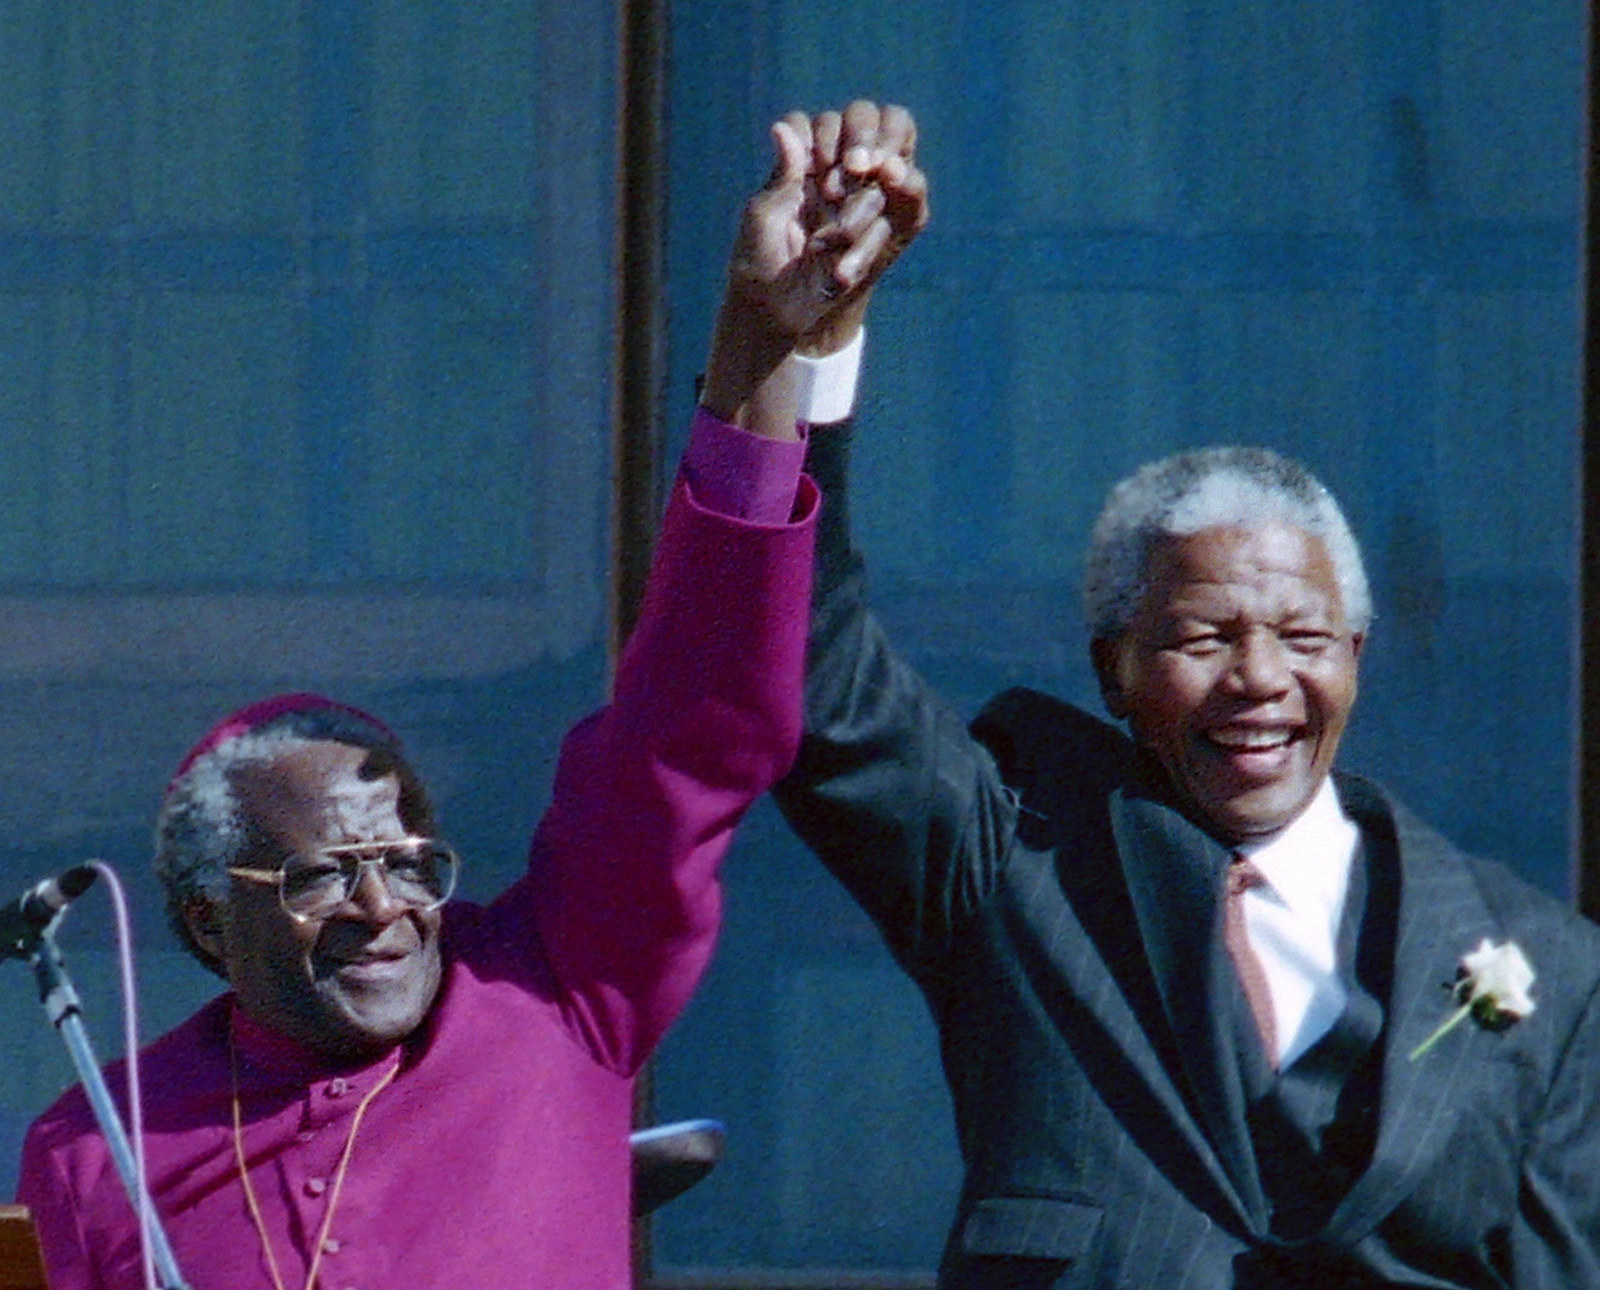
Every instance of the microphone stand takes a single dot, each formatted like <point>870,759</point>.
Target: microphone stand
<point>65,1010</point>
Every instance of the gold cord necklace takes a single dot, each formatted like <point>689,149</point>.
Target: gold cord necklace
<point>338,1178</point>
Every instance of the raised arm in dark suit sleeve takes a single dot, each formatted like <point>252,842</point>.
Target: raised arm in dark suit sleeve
<point>890,790</point>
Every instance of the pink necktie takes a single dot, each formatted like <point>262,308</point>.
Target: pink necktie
<point>1242,875</point>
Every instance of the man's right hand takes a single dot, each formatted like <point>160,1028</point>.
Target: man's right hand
<point>866,147</point>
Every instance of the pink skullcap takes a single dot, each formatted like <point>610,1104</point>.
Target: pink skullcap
<point>262,711</point>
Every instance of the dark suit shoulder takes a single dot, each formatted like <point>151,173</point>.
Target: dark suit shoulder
<point>1061,762</point>
<point>1548,929</point>
<point>1030,735</point>
<point>1505,891</point>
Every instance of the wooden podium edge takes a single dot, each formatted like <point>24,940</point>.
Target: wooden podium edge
<point>21,1266</point>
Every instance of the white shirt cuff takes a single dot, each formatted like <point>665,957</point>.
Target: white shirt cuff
<point>826,386</point>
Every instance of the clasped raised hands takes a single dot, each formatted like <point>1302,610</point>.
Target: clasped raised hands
<point>845,197</point>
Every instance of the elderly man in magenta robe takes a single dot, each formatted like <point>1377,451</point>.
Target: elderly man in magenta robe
<point>403,1089</point>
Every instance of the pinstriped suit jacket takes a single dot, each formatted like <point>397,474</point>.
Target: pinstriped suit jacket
<point>1060,917</point>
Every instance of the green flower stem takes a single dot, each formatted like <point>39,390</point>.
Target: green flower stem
<point>1450,1023</point>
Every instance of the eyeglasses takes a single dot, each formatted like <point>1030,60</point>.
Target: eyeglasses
<point>419,872</point>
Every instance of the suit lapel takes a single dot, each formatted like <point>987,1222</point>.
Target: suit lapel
<point>1441,917</point>
<point>1173,873</point>
<point>1172,870</point>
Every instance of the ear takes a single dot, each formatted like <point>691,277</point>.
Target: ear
<point>203,917</point>
<point>1103,653</point>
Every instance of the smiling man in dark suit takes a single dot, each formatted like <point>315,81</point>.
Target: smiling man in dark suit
<point>1185,978</point>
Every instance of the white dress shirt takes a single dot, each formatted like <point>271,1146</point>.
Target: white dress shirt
<point>1293,919</point>
<point>826,386</point>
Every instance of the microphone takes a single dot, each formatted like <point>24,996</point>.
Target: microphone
<point>25,919</point>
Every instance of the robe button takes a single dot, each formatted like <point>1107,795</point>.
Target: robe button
<point>316,1186</point>
<point>338,1086</point>
<point>332,1245</point>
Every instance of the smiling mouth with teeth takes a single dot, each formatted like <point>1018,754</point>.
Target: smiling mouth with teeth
<point>1235,740</point>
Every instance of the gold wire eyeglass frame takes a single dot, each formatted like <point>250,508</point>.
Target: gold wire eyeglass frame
<point>352,858</point>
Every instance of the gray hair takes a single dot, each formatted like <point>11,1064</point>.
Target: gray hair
<point>203,828</point>
<point>1245,487</point>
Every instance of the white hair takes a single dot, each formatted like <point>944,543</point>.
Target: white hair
<point>1238,487</point>
<point>202,809</point>
<point>204,829</point>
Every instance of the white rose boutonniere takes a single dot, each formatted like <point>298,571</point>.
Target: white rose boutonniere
<point>1491,986</point>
